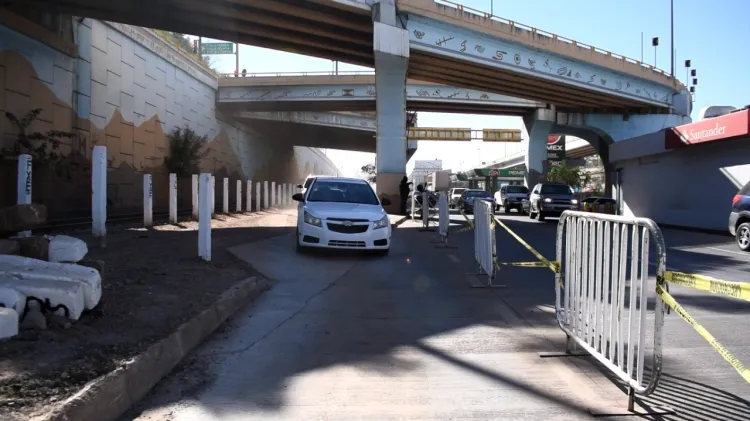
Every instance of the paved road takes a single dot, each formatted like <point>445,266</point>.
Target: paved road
<point>350,337</point>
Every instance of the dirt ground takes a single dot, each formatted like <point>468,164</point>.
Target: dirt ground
<point>153,281</point>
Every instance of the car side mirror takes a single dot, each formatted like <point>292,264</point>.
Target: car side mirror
<point>298,197</point>
<point>299,186</point>
<point>386,202</point>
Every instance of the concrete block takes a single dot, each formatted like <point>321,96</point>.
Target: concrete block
<point>12,298</point>
<point>34,319</point>
<point>8,246</point>
<point>68,294</point>
<point>63,248</point>
<point>22,217</point>
<point>8,323</point>
<point>23,271</point>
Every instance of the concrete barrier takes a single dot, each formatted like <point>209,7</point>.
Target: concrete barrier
<point>8,323</point>
<point>63,248</point>
<point>11,298</point>
<point>16,271</point>
<point>67,295</point>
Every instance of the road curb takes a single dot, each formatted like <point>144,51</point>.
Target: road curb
<point>108,397</point>
<point>399,221</point>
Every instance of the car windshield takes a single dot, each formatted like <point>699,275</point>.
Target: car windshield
<point>477,193</point>
<point>342,192</point>
<point>556,189</point>
<point>458,191</point>
<point>517,189</point>
<point>308,182</point>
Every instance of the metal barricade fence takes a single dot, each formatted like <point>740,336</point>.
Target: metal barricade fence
<point>425,210</point>
<point>444,216</point>
<point>601,295</point>
<point>484,239</point>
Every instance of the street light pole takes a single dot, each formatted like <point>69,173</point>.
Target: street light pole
<point>671,12</point>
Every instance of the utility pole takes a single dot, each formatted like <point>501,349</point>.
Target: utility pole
<point>671,12</point>
<point>641,47</point>
<point>237,58</point>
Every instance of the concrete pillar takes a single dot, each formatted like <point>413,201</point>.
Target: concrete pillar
<point>391,49</point>
<point>538,126</point>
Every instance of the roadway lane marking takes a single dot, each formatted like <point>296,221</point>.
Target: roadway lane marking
<point>454,258</point>
<point>741,253</point>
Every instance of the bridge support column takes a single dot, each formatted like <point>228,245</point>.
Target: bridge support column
<point>539,126</point>
<point>391,48</point>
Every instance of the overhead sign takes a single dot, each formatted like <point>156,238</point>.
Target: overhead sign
<point>500,173</point>
<point>501,135</point>
<point>427,133</point>
<point>727,126</point>
<point>555,150</point>
<point>217,48</point>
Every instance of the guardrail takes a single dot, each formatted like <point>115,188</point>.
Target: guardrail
<point>291,74</point>
<point>551,35</point>
<point>590,292</point>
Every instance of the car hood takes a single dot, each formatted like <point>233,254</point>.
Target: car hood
<point>327,210</point>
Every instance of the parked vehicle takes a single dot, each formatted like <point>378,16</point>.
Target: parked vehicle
<point>342,213</point>
<point>466,201</point>
<point>511,197</point>
<point>550,199</point>
<point>455,194</point>
<point>739,218</point>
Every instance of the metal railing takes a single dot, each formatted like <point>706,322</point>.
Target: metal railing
<point>553,36</point>
<point>444,217</point>
<point>292,74</point>
<point>484,239</point>
<point>601,293</point>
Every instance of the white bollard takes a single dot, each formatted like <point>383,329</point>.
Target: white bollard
<point>195,195</point>
<point>265,195</point>
<point>173,198</point>
<point>278,196</point>
<point>148,201</point>
<point>239,196</point>
<point>249,194</point>
<point>213,195</point>
<point>204,217</point>
<point>99,193</point>
<point>24,185</point>
<point>286,195</point>
<point>257,196</point>
<point>273,194</point>
<point>225,201</point>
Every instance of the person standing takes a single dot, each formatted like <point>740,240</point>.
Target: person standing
<point>403,190</point>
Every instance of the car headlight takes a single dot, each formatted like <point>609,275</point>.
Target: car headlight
<point>574,201</point>
<point>312,220</point>
<point>547,200</point>
<point>382,223</point>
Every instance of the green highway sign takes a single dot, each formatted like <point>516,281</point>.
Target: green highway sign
<point>217,48</point>
<point>501,173</point>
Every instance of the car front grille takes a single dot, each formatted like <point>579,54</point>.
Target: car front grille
<point>350,220</point>
<point>351,229</point>
<point>352,244</point>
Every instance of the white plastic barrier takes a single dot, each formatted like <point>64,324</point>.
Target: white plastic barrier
<point>26,270</point>
<point>444,217</point>
<point>484,238</point>
<point>12,298</point>
<point>591,303</point>
<point>148,201</point>
<point>24,184</point>
<point>225,196</point>
<point>63,248</point>
<point>238,199</point>
<point>99,192</point>
<point>249,194</point>
<point>204,216</point>
<point>173,198</point>
<point>8,322</point>
<point>194,195</point>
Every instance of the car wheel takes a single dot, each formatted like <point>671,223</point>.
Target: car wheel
<point>506,208</point>
<point>541,216</point>
<point>743,236</point>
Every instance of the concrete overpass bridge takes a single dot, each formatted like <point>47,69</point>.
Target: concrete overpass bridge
<point>355,91</point>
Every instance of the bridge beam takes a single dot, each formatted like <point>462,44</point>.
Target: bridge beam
<point>391,49</point>
<point>539,126</point>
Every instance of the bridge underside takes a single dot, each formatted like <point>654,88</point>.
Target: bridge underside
<point>332,31</point>
<point>314,136</point>
<point>360,105</point>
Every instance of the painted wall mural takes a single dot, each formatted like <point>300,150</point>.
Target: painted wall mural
<point>364,92</point>
<point>439,37</point>
<point>126,90</point>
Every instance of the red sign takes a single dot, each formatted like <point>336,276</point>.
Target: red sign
<point>493,173</point>
<point>553,138</point>
<point>709,130</point>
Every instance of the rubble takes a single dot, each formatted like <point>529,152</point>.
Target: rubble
<point>36,247</point>
<point>19,218</point>
<point>63,248</point>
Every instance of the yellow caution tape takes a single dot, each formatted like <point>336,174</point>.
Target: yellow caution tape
<point>740,290</point>
<point>471,225</point>
<point>554,267</point>
<point>721,349</point>
<point>527,264</point>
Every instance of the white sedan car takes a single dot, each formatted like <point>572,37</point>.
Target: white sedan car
<point>342,213</point>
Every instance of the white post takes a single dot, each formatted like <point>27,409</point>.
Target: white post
<point>249,194</point>
<point>278,196</point>
<point>286,194</point>
<point>204,216</point>
<point>195,195</point>
<point>24,184</point>
<point>213,195</point>
<point>273,194</point>
<point>257,196</point>
<point>173,198</point>
<point>239,196</point>
<point>99,192</point>
<point>265,195</point>
<point>148,201</point>
<point>225,201</point>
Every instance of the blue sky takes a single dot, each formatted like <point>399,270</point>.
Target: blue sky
<point>713,35</point>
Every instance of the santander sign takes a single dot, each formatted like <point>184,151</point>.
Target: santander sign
<point>697,135</point>
<point>728,126</point>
